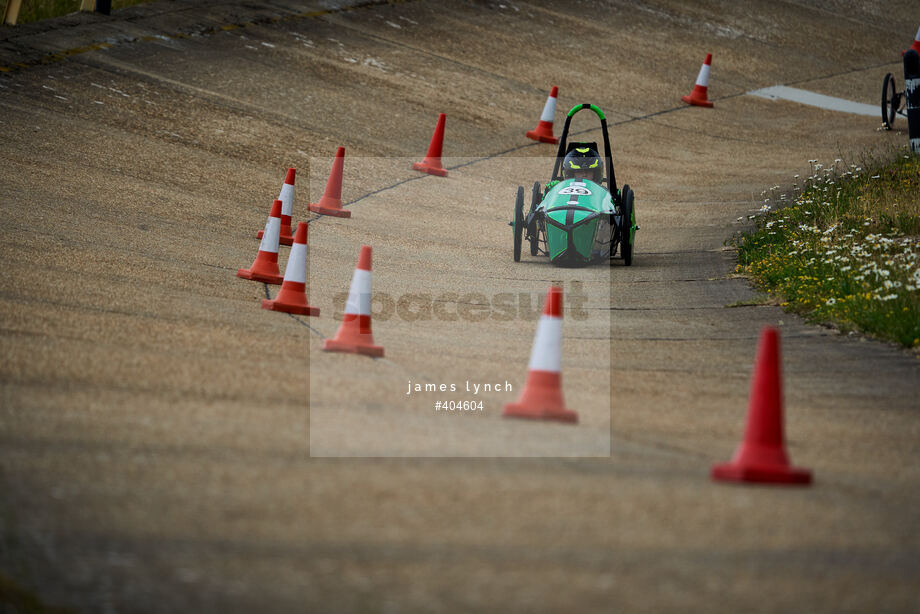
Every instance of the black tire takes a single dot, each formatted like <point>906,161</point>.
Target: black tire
<point>535,198</point>
<point>889,101</point>
<point>518,224</point>
<point>626,244</point>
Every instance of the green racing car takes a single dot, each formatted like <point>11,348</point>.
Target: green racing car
<point>580,217</point>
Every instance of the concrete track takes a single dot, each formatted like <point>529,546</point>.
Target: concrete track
<point>157,452</point>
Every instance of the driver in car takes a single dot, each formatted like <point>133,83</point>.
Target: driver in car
<point>583,163</point>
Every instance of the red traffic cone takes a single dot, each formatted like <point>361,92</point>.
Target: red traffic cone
<point>265,267</point>
<point>544,130</point>
<point>541,398</point>
<point>698,96</point>
<point>915,45</point>
<point>761,457</point>
<point>293,295</point>
<point>331,202</point>
<point>287,209</point>
<point>432,162</point>
<point>355,334</point>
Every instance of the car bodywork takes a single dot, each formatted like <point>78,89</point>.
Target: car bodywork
<point>575,215</point>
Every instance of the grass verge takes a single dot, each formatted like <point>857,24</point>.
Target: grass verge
<point>844,247</point>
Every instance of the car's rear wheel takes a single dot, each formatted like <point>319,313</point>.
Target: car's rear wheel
<point>616,226</point>
<point>518,223</point>
<point>626,235</point>
<point>532,230</point>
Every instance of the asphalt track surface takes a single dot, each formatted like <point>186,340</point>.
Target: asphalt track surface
<point>157,452</point>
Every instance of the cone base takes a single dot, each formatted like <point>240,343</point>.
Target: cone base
<point>764,474</point>
<point>331,345</point>
<point>283,240</point>
<point>697,102</point>
<point>531,412</point>
<point>315,208</point>
<point>543,138</point>
<point>431,170</point>
<point>299,310</point>
<point>264,278</point>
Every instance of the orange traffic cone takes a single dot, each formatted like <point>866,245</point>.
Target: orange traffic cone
<point>331,202</point>
<point>698,96</point>
<point>916,44</point>
<point>287,209</point>
<point>432,162</point>
<point>265,267</point>
<point>544,130</point>
<point>355,334</point>
<point>761,457</point>
<point>293,295</point>
<point>541,398</point>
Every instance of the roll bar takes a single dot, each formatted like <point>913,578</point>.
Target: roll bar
<point>608,158</point>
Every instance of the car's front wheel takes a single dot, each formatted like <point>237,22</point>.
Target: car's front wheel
<point>518,224</point>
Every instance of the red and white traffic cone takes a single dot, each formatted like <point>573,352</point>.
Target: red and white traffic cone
<point>287,209</point>
<point>293,295</point>
<point>541,398</point>
<point>331,202</point>
<point>762,457</point>
<point>432,162</point>
<point>699,95</point>
<point>355,334</point>
<point>916,44</point>
<point>544,130</point>
<point>265,267</point>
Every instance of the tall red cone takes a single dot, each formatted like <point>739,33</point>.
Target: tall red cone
<point>544,130</point>
<point>355,334</point>
<point>432,162</point>
<point>915,45</point>
<point>331,202</point>
<point>265,267</point>
<point>541,398</point>
<point>762,457</point>
<point>699,95</point>
<point>293,295</point>
<point>287,208</point>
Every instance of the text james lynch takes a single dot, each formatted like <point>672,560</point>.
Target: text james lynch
<point>473,387</point>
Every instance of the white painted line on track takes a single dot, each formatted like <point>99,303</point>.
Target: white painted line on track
<point>782,92</point>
